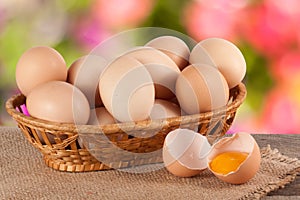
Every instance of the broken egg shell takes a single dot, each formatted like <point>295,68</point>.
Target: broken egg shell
<point>185,152</point>
<point>239,142</point>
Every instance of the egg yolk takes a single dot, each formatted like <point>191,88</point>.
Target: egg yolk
<point>227,162</point>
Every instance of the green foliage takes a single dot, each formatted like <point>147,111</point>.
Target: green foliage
<point>258,79</point>
<point>75,6</point>
<point>167,14</point>
<point>69,50</point>
<point>13,44</point>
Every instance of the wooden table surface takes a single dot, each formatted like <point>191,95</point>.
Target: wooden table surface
<point>288,145</point>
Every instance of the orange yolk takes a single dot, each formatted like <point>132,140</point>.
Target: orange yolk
<point>227,162</point>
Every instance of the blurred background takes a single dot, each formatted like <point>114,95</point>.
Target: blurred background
<point>266,31</point>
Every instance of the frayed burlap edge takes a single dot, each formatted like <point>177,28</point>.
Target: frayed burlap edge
<point>274,154</point>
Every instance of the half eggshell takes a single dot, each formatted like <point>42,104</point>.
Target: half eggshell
<point>239,142</point>
<point>185,152</point>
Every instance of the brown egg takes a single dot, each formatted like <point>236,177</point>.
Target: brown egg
<point>173,47</point>
<point>39,65</point>
<point>100,116</point>
<point>201,88</point>
<point>127,89</point>
<point>85,73</point>
<point>222,54</point>
<point>185,152</point>
<point>58,101</point>
<point>164,109</point>
<point>162,69</point>
<point>239,143</point>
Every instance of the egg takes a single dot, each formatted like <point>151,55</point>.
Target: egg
<point>127,89</point>
<point>58,101</point>
<point>235,159</point>
<point>201,88</point>
<point>173,47</point>
<point>85,73</point>
<point>222,54</point>
<point>39,65</point>
<point>185,152</point>
<point>100,116</point>
<point>162,69</point>
<point>164,109</point>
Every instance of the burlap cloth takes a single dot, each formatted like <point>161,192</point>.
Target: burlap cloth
<point>23,175</point>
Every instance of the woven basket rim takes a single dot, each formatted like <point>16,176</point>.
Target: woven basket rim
<point>125,126</point>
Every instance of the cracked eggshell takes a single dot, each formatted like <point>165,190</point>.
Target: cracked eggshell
<point>239,142</point>
<point>162,69</point>
<point>173,47</point>
<point>185,152</point>
<point>222,54</point>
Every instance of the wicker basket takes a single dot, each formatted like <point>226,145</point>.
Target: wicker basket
<point>59,142</point>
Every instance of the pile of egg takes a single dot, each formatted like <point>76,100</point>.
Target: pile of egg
<point>161,79</point>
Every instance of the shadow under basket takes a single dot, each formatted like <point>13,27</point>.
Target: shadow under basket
<point>81,148</point>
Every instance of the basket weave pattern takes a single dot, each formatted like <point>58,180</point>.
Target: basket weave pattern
<point>59,142</point>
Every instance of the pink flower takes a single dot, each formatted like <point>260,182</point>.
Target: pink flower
<point>281,113</point>
<point>287,8</point>
<point>245,120</point>
<point>117,14</point>
<point>287,66</point>
<point>89,33</point>
<point>216,18</point>
<point>270,28</point>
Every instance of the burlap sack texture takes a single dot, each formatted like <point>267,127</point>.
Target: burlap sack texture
<point>23,175</point>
